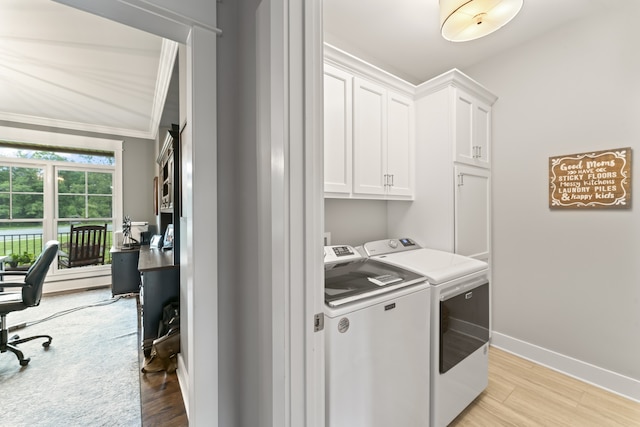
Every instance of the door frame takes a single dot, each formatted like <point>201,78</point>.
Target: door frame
<point>296,386</point>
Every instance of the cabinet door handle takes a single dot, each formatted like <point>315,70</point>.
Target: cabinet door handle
<point>479,151</point>
<point>460,180</point>
<point>386,179</point>
<point>391,185</point>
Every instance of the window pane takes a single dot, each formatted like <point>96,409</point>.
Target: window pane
<point>28,206</point>
<point>99,183</point>
<point>71,207</point>
<point>4,206</point>
<point>43,153</point>
<point>4,178</point>
<point>99,206</point>
<point>71,182</point>
<point>27,180</point>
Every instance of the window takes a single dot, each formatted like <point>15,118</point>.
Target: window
<point>50,181</point>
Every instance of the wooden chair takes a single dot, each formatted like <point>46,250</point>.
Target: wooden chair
<point>86,246</point>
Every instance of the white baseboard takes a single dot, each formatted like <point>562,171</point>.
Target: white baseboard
<point>76,284</point>
<point>599,377</point>
<point>183,382</point>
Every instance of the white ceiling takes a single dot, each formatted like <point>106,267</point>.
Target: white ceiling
<point>62,67</point>
<point>403,36</point>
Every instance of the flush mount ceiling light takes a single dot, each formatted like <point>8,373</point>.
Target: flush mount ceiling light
<point>464,20</point>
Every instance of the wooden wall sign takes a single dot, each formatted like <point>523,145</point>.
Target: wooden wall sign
<point>600,179</point>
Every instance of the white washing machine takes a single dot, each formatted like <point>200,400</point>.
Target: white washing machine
<point>376,340</point>
<point>459,321</point>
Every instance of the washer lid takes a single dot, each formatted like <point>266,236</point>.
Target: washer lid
<point>354,280</point>
<point>438,266</point>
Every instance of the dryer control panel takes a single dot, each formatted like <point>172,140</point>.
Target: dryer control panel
<point>388,246</point>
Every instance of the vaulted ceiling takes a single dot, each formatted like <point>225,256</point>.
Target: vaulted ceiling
<point>61,67</point>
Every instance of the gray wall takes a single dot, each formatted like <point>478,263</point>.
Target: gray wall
<point>238,281</point>
<point>140,167</point>
<point>354,222</point>
<point>567,281</point>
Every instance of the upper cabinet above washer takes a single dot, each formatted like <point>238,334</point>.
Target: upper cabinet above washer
<point>369,135</point>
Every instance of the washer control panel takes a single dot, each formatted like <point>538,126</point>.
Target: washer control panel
<point>340,253</point>
<point>387,246</point>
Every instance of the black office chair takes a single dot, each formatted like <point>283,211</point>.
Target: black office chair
<point>29,297</point>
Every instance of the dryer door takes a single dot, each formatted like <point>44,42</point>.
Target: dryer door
<point>464,324</point>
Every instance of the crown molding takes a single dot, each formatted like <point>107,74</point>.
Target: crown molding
<point>354,65</point>
<point>455,78</point>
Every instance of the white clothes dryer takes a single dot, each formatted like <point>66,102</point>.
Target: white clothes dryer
<point>459,363</point>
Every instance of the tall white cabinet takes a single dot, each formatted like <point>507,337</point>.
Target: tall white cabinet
<point>369,131</point>
<point>452,206</point>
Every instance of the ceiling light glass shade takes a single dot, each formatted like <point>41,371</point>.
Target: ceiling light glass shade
<point>464,20</point>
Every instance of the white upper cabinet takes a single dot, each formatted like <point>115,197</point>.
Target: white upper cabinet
<point>369,135</point>
<point>472,129</point>
<point>383,141</point>
<point>338,133</point>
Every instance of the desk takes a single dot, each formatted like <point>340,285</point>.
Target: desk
<point>160,284</point>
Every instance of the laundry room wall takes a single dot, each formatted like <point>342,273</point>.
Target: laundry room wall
<point>566,283</point>
<point>354,222</point>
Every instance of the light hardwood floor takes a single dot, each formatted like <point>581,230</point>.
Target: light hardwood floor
<point>522,393</point>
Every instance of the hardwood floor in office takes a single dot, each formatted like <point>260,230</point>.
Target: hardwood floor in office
<point>161,399</point>
<point>522,393</point>
<point>160,396</point>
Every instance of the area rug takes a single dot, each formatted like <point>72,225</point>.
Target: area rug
<point>89,376</point>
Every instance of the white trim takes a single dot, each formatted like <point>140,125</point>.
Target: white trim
<point>455,78</point>
<point>66,285</point>
<point>313,177</point>
<point>165,13</point>
<point>591,374</point>
<point>348,62</point>
<point>58,139</point>
<point>64,124</point>
<point>168,53</point>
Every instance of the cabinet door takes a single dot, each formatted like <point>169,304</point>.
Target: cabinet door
<point>369,138</point>
<point>482,133</point>
<point>400,149</point>
<point>472,129</point>
<point>472,212</point>
<point>338,107</point>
